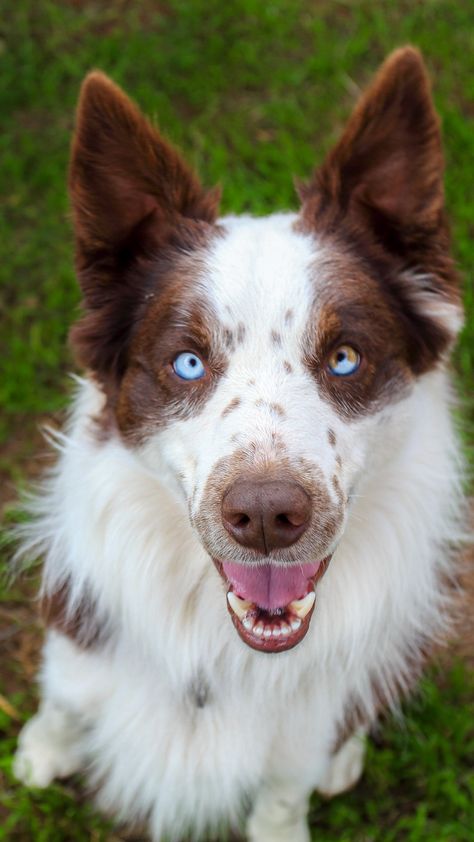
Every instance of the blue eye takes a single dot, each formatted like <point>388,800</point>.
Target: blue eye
<point>188,366</point>
<point>344,360</point>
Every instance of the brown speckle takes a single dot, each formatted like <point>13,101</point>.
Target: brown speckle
<point>260,402</point>
<point>289,317</point>
<point>288,367</point>
<point>332,437</point>
<point>234,403</point>
<point>240,333</point>
<point>339,462</point>
<point>275,337</point>
<point>251,383</point>
<point>277,409</point>
<point>338,489</point>
<point>228,338</point>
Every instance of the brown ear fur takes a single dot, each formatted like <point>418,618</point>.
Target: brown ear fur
<point>380,191</point>
<point>389,159</point>
<point>122,170</point>
<point>132,197</point>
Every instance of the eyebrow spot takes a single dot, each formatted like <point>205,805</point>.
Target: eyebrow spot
<point>288,367</point>
<point>289,317</point>
<point>275,337</point>
<point>234,403</point>
<point>332,437</point>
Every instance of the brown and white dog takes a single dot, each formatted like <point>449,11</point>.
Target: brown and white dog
<point>247,534</point>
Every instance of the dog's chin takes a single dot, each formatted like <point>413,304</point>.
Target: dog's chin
<point>275,629</point>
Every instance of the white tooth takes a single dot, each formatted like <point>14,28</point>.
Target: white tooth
<point>302,607</point>
<point>239,606</point>
<point>247,622</point>
<point>276,631</point>
<point>285,630</point>
<point>296,623</point>
<point>258,629</point>
<point>267,632</point>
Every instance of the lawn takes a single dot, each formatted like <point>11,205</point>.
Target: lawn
<point>254,93</point>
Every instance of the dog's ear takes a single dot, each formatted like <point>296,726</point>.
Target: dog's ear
<point>132,197</point>
<point>125,177</point>
<point>381,191</point>
<point>387,168</point>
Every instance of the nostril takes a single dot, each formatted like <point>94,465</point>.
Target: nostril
<point>291,520</point>
<point>238,519</point>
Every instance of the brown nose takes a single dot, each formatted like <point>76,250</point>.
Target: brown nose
<point>266,515</point>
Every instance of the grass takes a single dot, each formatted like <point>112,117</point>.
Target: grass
<point>253,93</point>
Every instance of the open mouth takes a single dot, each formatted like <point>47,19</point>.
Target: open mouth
<point>271,606</point>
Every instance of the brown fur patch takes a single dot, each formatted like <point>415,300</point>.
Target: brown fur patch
<point>126,259</point>
<point>82,624</point>
<point>275,337</point>
<point>353,308</point>
<point>379,198</point>
<point>332,437</point>
<point>150,393</point>
<point>288,367</point>
<point>234,403</point>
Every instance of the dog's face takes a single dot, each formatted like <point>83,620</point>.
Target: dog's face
<point>250,362</point>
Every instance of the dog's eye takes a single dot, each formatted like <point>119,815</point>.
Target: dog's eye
<point>344,360</point>
<point>188,366</point>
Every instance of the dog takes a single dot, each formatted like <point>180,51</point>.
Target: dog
<point>248,537</point>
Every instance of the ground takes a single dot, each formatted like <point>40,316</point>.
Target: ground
<point>253,92</point>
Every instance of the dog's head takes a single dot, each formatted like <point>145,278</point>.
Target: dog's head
<point>249,362</point>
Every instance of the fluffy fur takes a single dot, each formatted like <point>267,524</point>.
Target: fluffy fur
<point>145,683</point>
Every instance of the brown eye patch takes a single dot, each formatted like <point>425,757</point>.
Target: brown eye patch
<point>352,318</point>
<point>175,321</point>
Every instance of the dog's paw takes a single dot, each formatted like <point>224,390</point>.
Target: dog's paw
<point>42,755</point>
<point>345,768</point>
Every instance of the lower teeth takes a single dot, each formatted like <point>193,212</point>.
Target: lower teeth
<point>285,621</point>
<point>262,630</point>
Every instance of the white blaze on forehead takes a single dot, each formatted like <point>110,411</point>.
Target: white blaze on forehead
<point>259,271</point>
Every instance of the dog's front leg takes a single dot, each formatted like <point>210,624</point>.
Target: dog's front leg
<point>279,814</point>
<point>73,683</point>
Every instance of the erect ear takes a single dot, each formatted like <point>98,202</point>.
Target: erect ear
<point>122,172</point>
<point>132,196</point>
<point>388,165</point>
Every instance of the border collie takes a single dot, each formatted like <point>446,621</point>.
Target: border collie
<point>248,535</point>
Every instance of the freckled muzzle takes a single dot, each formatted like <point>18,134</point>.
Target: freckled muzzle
<point>270,530</point>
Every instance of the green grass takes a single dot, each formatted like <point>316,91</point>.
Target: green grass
<point>254,93</point>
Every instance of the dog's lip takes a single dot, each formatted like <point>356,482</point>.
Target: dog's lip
<point>283,618</point>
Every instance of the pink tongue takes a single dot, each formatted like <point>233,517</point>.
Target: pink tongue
<point>270,586</point>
